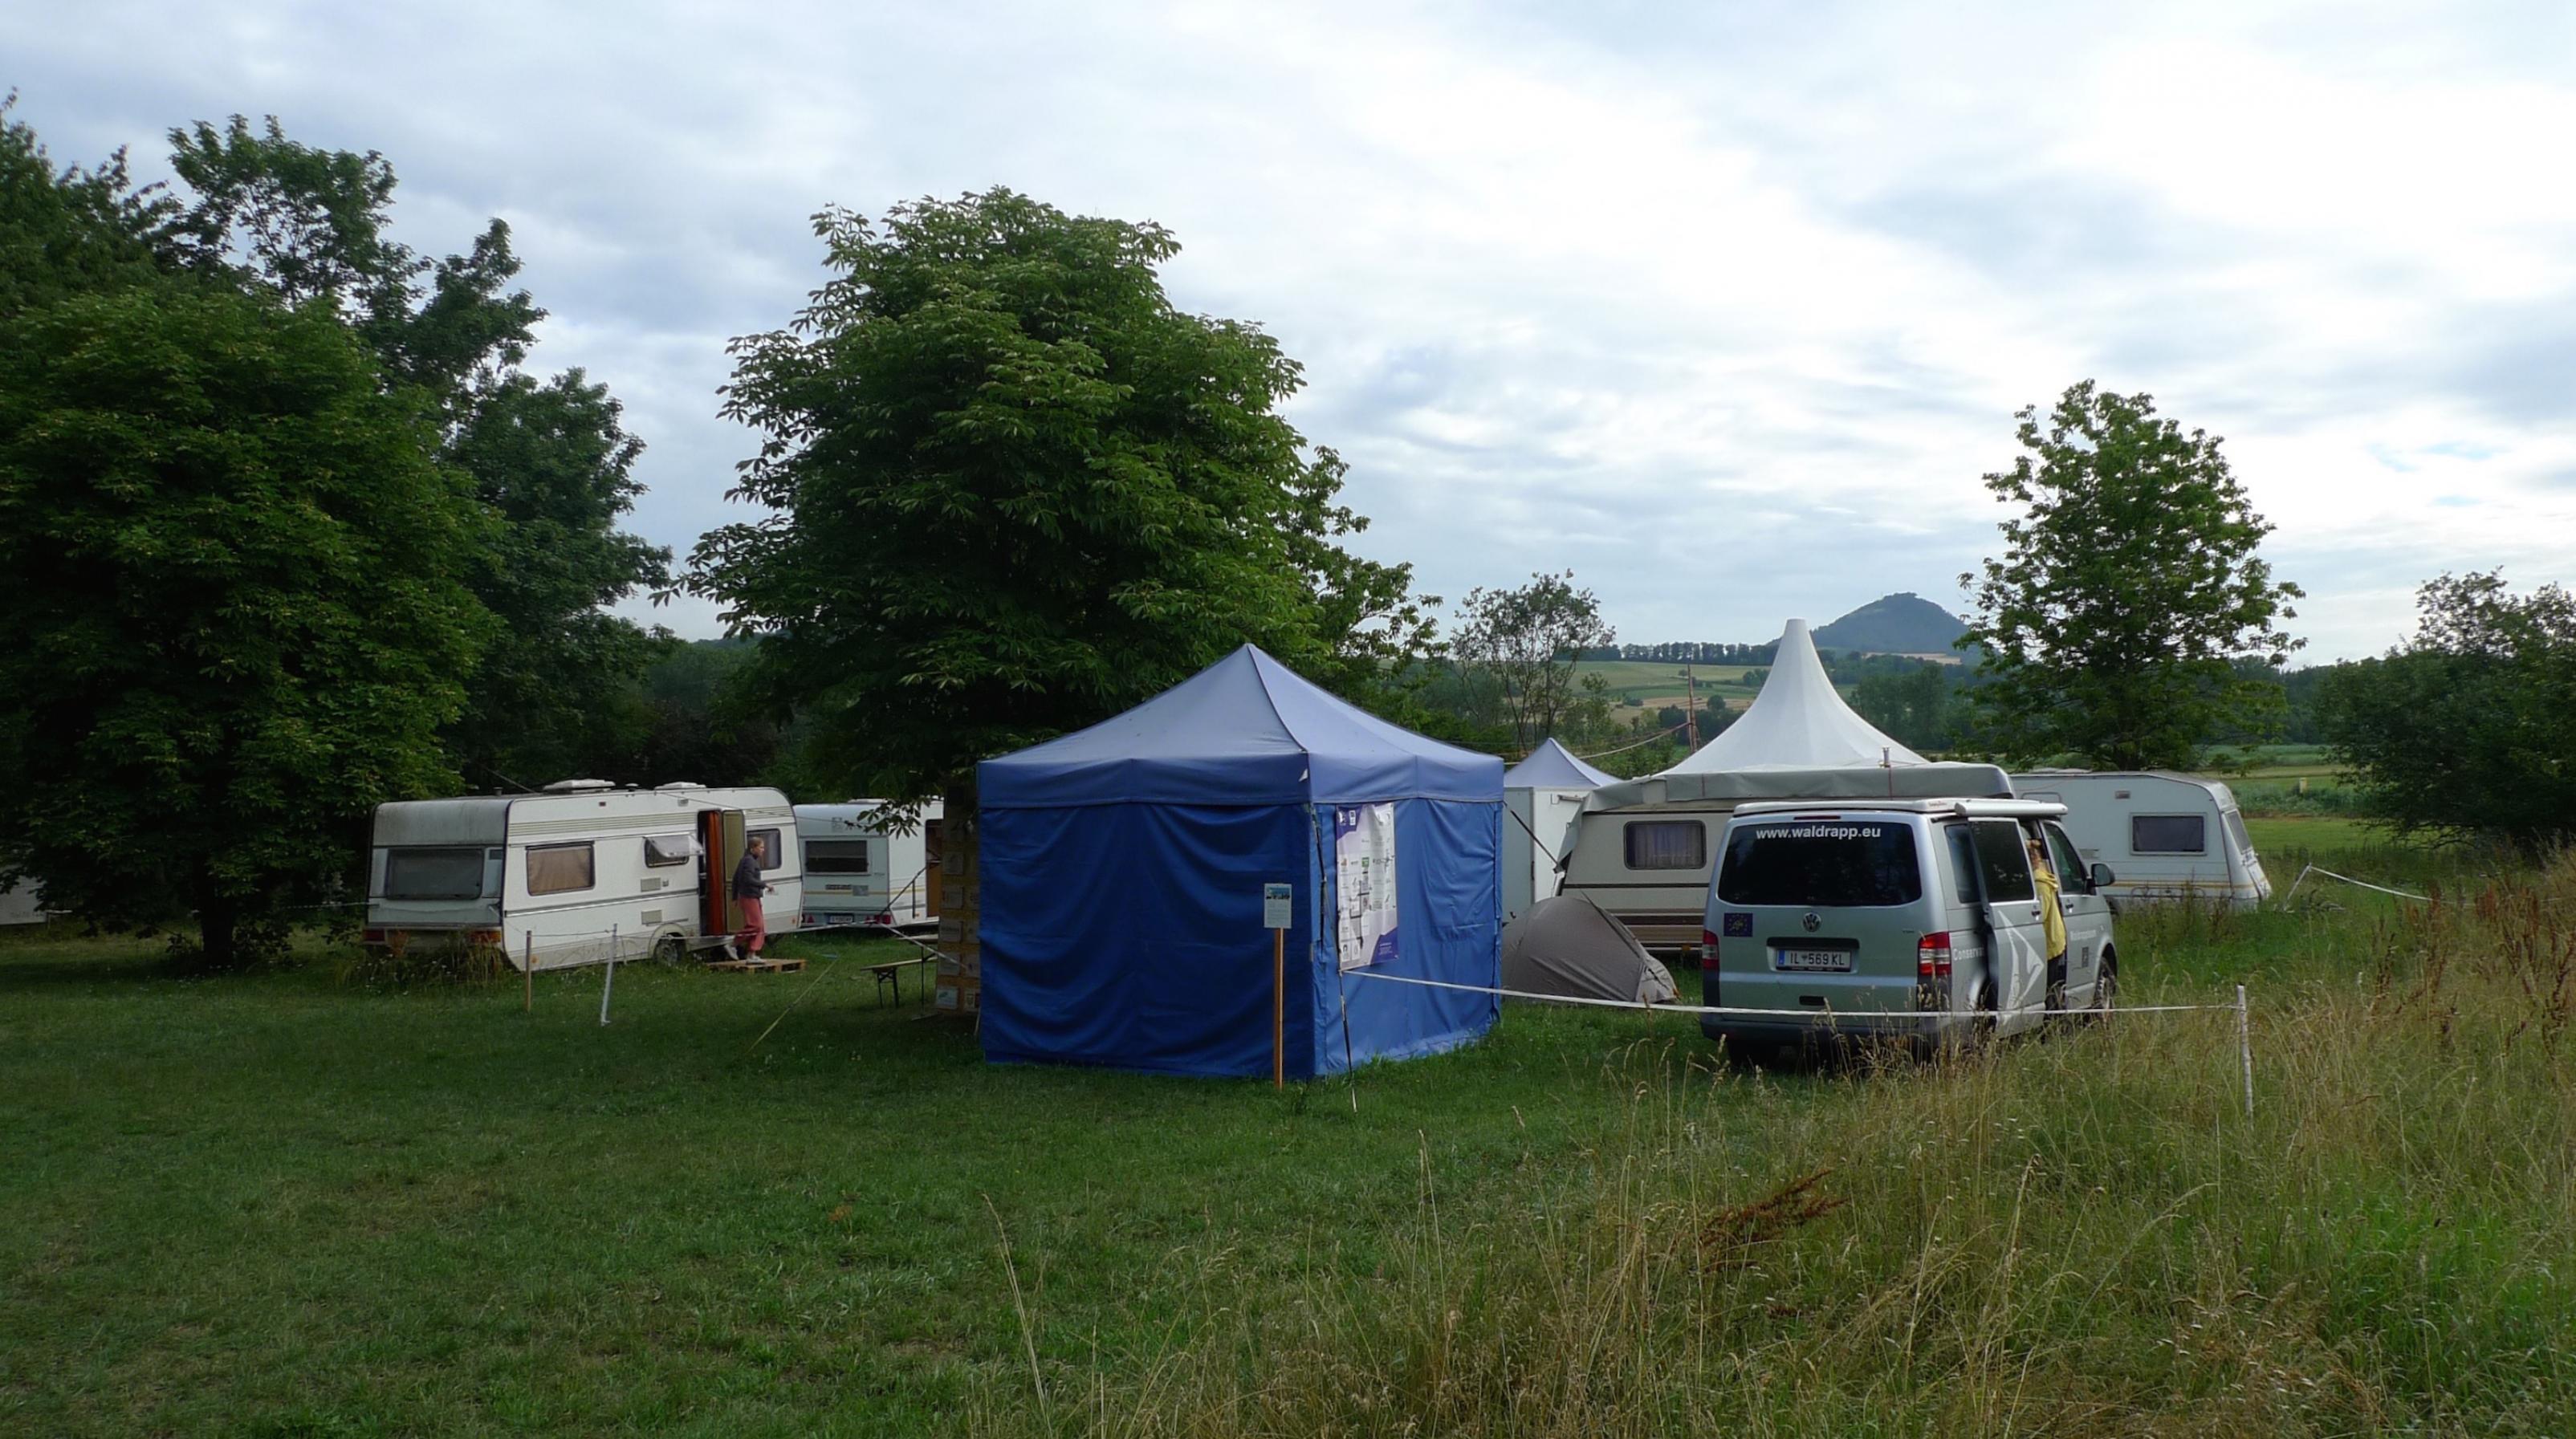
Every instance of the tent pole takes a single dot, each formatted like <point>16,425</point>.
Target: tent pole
<point>1279,1009</point>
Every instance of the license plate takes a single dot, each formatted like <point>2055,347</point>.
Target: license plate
<point>1838,960</point>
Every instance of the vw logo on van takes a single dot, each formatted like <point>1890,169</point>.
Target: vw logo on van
<point>1812,922</point>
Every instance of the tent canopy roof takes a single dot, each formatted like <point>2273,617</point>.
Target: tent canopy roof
<point>1800,741</point>
<point>1246,730</point>
<point>1553,766</point>
<point>1798,721</point>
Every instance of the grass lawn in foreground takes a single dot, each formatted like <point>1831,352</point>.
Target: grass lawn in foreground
<point>269,1204</point>
<point>268,1201</point>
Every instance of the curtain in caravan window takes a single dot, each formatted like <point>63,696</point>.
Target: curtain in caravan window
<point>1666,844</point>
<point>560,868</point>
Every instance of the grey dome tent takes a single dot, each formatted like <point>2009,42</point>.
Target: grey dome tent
<point>1568,946</point>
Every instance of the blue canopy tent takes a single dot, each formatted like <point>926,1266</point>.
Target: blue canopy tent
<point>1123,869</point>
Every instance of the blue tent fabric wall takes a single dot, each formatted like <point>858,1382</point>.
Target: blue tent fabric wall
<point>1123,868</point>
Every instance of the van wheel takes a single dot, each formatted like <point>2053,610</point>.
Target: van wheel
<point>1980,1035</point>
<point>2106,990</point>
<point>671,951</point>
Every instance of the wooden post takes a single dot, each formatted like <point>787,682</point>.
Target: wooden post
<point>1279,1009</point>
<point>528,958</point>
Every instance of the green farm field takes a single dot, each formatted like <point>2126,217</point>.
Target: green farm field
<point>278,1203</point>
<point>1654,683</point>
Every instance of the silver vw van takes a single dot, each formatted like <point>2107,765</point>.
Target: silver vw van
<point>1912,919</point>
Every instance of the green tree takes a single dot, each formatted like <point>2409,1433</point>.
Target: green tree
<point>557,692</point>
<point>2129,586</point>
<point>1014,490</point>
<point>2469,728</point>
<point>1910,704</point>
<point>70,231</point>
<point>233,627</point>
<point>1528,638</point>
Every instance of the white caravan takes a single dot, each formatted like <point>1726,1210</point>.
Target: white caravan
<point>861,871</point>
<point>19,904</point>
<point>562,874</point>
<point>1545,794</point>
<point>2166,835</point>
<point>1644,848</point>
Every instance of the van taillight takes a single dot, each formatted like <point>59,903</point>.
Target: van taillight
<point>1708,940</point>
<point>1932,956</point>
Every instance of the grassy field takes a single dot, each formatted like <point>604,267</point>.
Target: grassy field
<point>277,1204</point>
<point>1653,683</point>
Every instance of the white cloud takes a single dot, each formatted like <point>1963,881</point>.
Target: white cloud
<point>1725,309</point>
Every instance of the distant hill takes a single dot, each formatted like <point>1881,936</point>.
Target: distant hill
<point>1897,624</point>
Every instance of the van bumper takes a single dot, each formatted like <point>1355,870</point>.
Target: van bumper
<point>1924,1028</point>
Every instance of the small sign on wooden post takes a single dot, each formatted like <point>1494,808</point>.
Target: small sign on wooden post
<point>1277,903</point>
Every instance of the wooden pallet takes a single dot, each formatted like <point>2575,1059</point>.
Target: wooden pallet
<point>759,966</point>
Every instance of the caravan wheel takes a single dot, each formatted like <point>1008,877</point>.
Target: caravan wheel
<point>671,950</point>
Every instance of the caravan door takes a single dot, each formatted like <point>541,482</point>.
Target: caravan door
<point>720,841</point>
<point>2016,951</point>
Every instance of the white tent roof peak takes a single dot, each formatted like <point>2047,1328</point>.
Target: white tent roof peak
<point>1553,766</point>
<point>1798,721</point>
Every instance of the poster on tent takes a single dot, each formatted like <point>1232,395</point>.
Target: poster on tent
<point>1364,882</point>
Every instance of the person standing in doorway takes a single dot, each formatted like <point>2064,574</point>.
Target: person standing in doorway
<point>748,888</point>
<point>2052,921</point>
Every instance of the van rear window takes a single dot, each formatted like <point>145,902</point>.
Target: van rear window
<point>1835,864</point>
<point>433,874</point>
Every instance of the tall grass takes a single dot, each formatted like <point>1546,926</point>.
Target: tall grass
<point>2084,1233</point>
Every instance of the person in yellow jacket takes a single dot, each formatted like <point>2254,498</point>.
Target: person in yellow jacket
<point>2052,921</point>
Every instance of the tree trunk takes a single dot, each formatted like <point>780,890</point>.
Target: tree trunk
<point>961,895</point>
<point>218,922</point>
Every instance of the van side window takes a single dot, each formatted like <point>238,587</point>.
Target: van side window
<point>1963,864</point>
<point>560,868</point>
<point>1666,844</point>
<point>2073,876</point>
<point>2168,834</point>
<point>2003,866</point>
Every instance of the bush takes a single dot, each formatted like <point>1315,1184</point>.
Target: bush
<point>2470,728</point>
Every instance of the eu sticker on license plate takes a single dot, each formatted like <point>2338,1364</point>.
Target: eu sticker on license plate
<point>1828,959</point>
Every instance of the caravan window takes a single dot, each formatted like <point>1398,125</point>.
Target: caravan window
<point>433,874</point>
<point>661,851</point>
<point>836,856</point>
<point>560,868</point>
<point>1667,844</point>
<point>2236,833</point>
<point>2168,834</point>
<point>767,839</point>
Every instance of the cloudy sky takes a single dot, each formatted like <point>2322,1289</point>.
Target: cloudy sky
<point>1724,307</point>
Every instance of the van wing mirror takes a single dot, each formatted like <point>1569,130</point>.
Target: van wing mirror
<point>2102,876</point>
